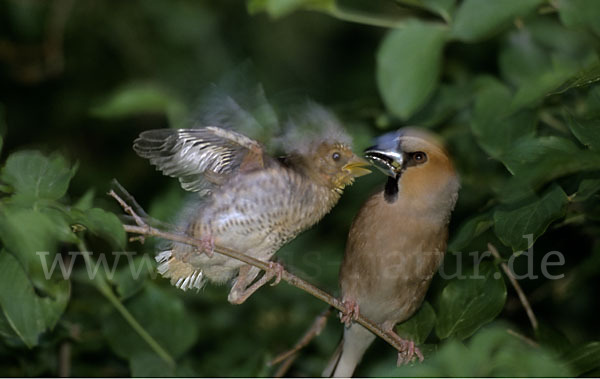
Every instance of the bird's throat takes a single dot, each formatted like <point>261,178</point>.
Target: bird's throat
<point>390,193</point>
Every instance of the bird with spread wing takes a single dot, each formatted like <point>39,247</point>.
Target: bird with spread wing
<point>247,200</point>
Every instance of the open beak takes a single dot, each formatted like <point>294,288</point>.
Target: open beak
<point>356,167</point>
<point>388,161</point>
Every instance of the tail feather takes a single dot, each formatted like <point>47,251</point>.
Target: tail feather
<point>347,356</point>
<point>333,361</point>
<point>183,275</point>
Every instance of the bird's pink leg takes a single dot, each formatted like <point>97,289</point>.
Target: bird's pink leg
<point>208,245</point>
<point>240,291</point>
<point>350,313</point>
<point>275,271</point>
<point>409,350</point>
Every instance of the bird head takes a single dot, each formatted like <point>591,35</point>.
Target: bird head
<point>418,166</point>
<point>335,165</point>
<point>318,145</point>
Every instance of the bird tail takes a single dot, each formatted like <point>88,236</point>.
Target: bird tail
<point>350,351</point>
<point>333,361</point>
<point>182,274</point>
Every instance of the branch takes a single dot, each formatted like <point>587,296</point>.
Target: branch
<point>515,283</point>
<point>146,230</point>
<point>527,340</point>
<point>315,329</point>
<point>64,360</point>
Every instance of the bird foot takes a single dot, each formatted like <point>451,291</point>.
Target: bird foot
<point>409,351</point>
<point>350,313</point>
<point>208,246</point>
<point>275,271</point>
<point>242,291</point>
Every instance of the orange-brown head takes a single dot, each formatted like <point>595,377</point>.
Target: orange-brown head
<point>418,166</point>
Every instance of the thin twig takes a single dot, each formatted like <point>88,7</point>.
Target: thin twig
<point>146,230</point>
<point>525,339</point>
<point>129,199</point>
<point>315,329</point>
<point>285,366</point>
<point>517,286</point>
<point>64,360</point>
<point>127,208</point>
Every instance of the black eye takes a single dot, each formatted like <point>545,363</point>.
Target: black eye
<point>419,157</point>
<point>335,156</point>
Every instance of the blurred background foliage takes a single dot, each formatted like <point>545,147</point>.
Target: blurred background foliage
<point>509,84</point>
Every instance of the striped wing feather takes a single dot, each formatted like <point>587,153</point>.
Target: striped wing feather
<point>200,158</point>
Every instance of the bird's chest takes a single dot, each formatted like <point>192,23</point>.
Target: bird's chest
<point>262,212</point>
<point>390,261</point>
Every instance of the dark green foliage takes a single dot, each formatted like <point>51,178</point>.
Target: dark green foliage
<point>510,85</point>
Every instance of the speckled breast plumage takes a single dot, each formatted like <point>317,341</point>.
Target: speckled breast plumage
<point>254,222</point>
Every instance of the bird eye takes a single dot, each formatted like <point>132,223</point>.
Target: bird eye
<point>419,157</point>
<point>335,156</point>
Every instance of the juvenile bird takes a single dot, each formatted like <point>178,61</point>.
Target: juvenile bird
<point>396,242</point>
<point>247,200</point>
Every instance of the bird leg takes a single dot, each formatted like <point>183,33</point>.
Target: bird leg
<point>208,246</point>
<point>409,350</point>
<point>242,291</point>
<point>350,313</point>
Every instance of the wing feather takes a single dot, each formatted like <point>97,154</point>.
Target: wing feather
<point>200,158</point>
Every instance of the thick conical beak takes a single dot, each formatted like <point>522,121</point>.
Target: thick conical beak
<point>356,167</point>
<point>388,161</point>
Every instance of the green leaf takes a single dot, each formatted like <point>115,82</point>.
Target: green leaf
<point>582,78</point>
<point>540,68</point>
<point>466,304</point>
<point>148,365</point>
<point>443,8</point>
<point>550,156</point>
<point>587,189</point>
<point>513,223</point>
<point>131,278</point>
<point>86,201</point>
<point>580,14</point>
<point>6,331</point>
<point>490,353</point>
<point>522,57</point>
<point>445,103</point>
<point>280,8</point>
<point>551,338</point>
<point>142,98</point>
<point>419,326</point>
<point>470,229</point>
<point>536,161</point>
<point>494,125</point>
<point>408,66</point>
<point>586,131</point>
<point>103,224</point>
<point>27,313</point>
<point>584,358</point>
<point>536,87</point>
<point>27,233</point>
<point>476,19</point>
<point>162,315</point>
<point>34,175</point>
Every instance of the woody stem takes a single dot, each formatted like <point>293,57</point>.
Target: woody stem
<point>146,230</point>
